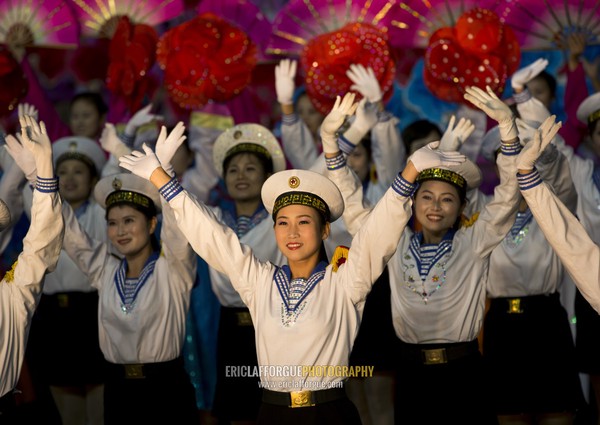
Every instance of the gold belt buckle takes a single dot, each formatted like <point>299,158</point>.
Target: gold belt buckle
<point>244,318</point>
<point>435,356</point>
<point>514,306</point>
<point>134,371</point>
<point>301,399</point>
<point>63,300</point>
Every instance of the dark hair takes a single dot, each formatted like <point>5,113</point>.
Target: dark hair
<point>550,81</point>
<point>93,98</point>
<point>267,163</point>
<point>417,130</point>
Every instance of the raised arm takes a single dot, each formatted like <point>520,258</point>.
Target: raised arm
<point>579,254</point>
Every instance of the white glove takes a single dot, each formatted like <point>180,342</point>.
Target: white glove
<point>494,108</point>
<point>111,143</point>
<point>365,82</point>
<point>27,109</point>
<point>22,157</point>
<point>140,118</point>
<point>524,75</point>
<point>454,137</point>
<point>532,150</point>
<point>141,164</point>
<point>366,118</point>
<point>333,121</point>
<point>429,156</point>
<point>285,73</point>
<point>35,139</point>
<point>167,146</point>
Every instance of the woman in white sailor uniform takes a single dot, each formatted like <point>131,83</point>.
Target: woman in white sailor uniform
<point>21,287</point>
<point>305,313</point>
<point>438,278</point>
<point>526,328</point>
<point>64,343</point>
<point>245,156</point>
<point>144,297</point>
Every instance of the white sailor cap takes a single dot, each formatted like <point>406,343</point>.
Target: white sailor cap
<point>4,215</point>
<point>302,187</point>
<point>81,148</point>
<point>465,175</point>
<point>247,138</point>
<point>589,110</point>
<point>126,188</point>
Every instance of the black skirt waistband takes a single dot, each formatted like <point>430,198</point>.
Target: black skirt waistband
<point>431,354</point>
<point>520,305</point>
<point>302,398</point>
<point>143,370</point>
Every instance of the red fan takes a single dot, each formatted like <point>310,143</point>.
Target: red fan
<point>419,19</point>
<point>205,59</point>
<point>244,15</point>
<point>99,18</point>
<point>132,53</point>
<point>46,23</point>
<point>546,24</point>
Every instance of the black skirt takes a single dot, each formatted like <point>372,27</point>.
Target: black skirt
<point>441,384</point>
<point>154,393</point>
<point>587,345</point>
<point>376,341</point>
<point>338,412</point>
<point>530,356</point>
<point>64,332</point>
<point>236,397</point>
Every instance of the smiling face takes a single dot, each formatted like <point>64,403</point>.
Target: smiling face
<point>299,233</point>
<point>244,177</point>
<point>75,181</point>
<point>437,206</point>
<point>129,231</point>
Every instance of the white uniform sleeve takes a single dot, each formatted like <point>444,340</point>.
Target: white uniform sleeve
<point>554,169</point>
<point>387,149</point>
<point>498,216</point>
<point>356,208</point>
<point>578,253</point>
<point>218,245</point>
<point>11,192</point>
<point>177,251</point>
<point>298,143</point>
<point>376,241</point>
<point>90,255</point>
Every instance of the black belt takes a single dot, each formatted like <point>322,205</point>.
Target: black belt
<point>430,354</point>
<point>302,398</point>
<point>143,370</point>
<point>518,305</point>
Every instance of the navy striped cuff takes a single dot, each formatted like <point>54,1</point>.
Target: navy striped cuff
<point>336,162</point>
<point>289,119</point>
<point>127,139</point>
<point>171,189</point>
<point>46,185</point>
<point>509,149</point>
<point>522,97</point>
<point>346,145</point>
<point>528,181</point>
<point>403,187</point>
